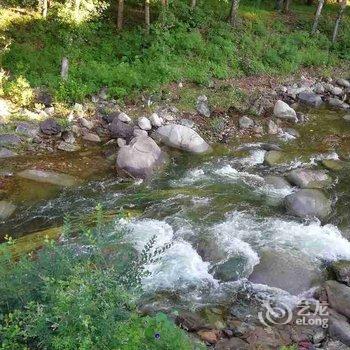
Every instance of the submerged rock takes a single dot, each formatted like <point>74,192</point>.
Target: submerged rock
<point>6,209</point>
<point>331,164</point>
<point>49,177</point>
<point>277,182</point>
<point>273,158</point>
<point>310,98</point>
<point>232,269</point>
<point>284,271</point>
<point>338,297</point>
<point>305,178</point>
<point>308,203</point>
<point>341,269</point>
<point>182,137</point>
<point>283,111</point>
<point>140,157</point>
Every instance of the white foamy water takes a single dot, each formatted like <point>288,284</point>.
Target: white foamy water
<point>180,266</point>
<point>213,173</point>
<point>313,240</point>
<point>256,157</point>
<point>274,194</point>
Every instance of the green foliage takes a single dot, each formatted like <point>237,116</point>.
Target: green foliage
<point>81,294</point>
<point>19,91</point>
<point>183,45</point>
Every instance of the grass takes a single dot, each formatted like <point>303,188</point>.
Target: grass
<point>192,46</point>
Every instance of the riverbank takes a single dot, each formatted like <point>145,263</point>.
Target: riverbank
<point>235,238</point>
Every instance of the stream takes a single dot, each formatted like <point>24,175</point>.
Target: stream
<point>214,209</point>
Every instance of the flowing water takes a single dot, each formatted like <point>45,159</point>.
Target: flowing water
<point>213,209</point>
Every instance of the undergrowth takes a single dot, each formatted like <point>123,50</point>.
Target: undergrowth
<point>81,293</point>
<point>184,45</point>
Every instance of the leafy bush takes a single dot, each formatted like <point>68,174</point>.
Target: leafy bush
<point>19,91</point>
<point>81,294</point>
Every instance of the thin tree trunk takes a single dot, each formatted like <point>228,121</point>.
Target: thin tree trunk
<point>286,5</point>
<point>44,9</point>
<point>337,22</point>
<point>120,14</point>
<point>317,16</point>
<point>193,4</point>
<point>147,16</point>
<point>279,4</point>
<point>233,12</point>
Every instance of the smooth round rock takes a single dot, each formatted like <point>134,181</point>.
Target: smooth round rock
<point>144,123</point>
<point>308,203</point>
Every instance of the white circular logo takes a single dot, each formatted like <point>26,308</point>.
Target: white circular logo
<point>277,314</point>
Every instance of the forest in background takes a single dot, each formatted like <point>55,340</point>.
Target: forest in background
<point>181,42</point>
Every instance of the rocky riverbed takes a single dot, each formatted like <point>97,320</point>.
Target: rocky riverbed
<point>253,199</point>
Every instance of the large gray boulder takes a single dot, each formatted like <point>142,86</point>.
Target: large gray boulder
<point>310,98</point>
<point>341,269</point>
<point>308,203</point>
<point>283,111</point>
<point>140,157</point>
<point>49,177</point>
<point>119,129</point>
<point>339,328</point>
<point>6,209</point>
<point>285,271</point>
<point>306,178</point>
<point>182,137</point>
<point>338,297</point>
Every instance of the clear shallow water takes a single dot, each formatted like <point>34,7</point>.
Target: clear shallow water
<point>212,209</point>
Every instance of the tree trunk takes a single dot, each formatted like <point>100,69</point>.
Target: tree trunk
<point>233,12</point>
<point>193,4</point>
<point>44,9</point>
<point>64,68</point>
<point>120,14</point>
<point>286,5</point>
<point>317,16</point>
<point>279,4</point>
<point>147,16</point>
<point>337,22</point>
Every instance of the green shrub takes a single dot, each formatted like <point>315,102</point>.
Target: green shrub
<point>81,294</point>
<point>19,91</point>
